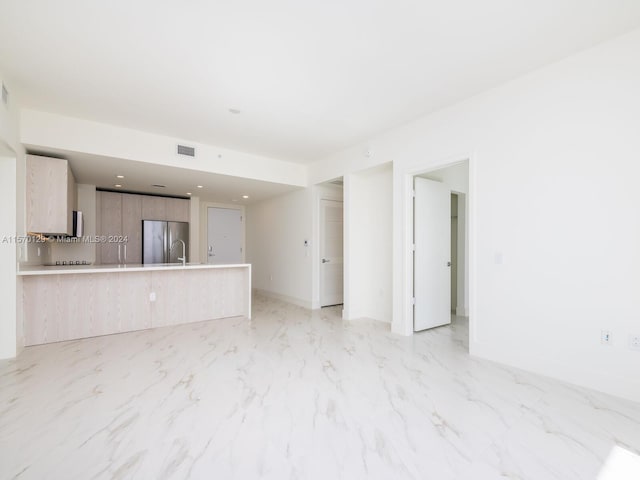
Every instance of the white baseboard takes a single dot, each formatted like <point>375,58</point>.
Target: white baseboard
<point>284,298</point>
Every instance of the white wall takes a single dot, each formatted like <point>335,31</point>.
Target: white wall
<point>8,258</point>
<point>368,243</point>
<point>276,231</point>
<point>12,201</point>
<point>565,135</point>
<point>47,130</point>
<point>456,177</point>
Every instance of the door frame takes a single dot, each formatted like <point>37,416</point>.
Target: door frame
<point>204,227</point>
<point>403,242</point>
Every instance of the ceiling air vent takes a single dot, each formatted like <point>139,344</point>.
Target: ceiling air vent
<point>5,95</point>
<point>188,151</point>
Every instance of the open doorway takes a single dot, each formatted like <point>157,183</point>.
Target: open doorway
<point>331,253</point>
<point>330,243</point>
<point>440,272</point>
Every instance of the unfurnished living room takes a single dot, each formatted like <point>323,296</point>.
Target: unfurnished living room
<point>320,240</point>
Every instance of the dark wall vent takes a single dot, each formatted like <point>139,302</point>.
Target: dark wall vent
<point>185,150</point>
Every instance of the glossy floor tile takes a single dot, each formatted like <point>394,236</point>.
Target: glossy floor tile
<point>295,394</point>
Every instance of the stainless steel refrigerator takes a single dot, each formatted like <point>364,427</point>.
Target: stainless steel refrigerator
<point>161,241</point>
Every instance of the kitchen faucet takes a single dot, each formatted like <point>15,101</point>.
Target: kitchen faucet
<point>183,259</point>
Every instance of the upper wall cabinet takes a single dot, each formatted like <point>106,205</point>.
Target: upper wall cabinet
<point>178,210</point>
<point>154,208</point>
<point>165,208</point>
<point>51,195</point>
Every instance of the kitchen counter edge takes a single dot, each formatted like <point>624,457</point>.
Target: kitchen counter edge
<point>75,269</point>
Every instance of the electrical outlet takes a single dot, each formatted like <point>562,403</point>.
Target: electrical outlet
<point>634,342</point>
<point>152,297</point>
<point>605,337</point>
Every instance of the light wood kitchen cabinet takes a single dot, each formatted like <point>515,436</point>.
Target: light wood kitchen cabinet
<point>132,226</point>
<point>110,227</point>
<point>154,208</point>
<point>120,215</point>
<point>51,195</point>
<point>178,210</point>
<point>70,305</point>
<point>119,223</point>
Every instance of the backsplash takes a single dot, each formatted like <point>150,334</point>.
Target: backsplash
<point>50,252</point>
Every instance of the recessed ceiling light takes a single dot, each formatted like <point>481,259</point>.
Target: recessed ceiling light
<point>235,111</point>
<point>119,176</point>
<point>188,193</point>
<point>199,186</point>
<point>245,196</point>
<point>117,185</point>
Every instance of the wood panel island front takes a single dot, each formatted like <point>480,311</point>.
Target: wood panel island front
<point>66,303</point>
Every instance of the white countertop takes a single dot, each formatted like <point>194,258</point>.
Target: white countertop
<point>71,269</point>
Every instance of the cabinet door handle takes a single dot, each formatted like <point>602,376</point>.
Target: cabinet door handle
<point>125,253</point>
<point>119,256</point>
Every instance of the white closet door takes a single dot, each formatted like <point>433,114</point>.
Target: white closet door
<point>432,257</point>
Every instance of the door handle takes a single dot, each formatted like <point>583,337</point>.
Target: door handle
<point>324,260</point>
<point>448,264</point>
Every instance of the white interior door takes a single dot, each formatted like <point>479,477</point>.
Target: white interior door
<point>331,246</point>
<point>432,256</point>
<point>224,235</point>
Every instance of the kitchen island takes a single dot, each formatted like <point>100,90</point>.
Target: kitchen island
<point>79,301</point>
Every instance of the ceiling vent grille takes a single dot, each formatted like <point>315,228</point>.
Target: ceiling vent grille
<point>5,95</point>
<point>187,151</point>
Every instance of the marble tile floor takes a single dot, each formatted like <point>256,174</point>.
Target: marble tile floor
<point>295,394</point>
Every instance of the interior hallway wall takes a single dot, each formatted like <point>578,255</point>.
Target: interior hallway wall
<point>368,244</point>
<point>12,224</point>
<point>275,231</point>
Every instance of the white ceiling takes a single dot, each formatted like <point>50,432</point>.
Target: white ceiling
<point>140,177</point>
<point>309,77</point>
